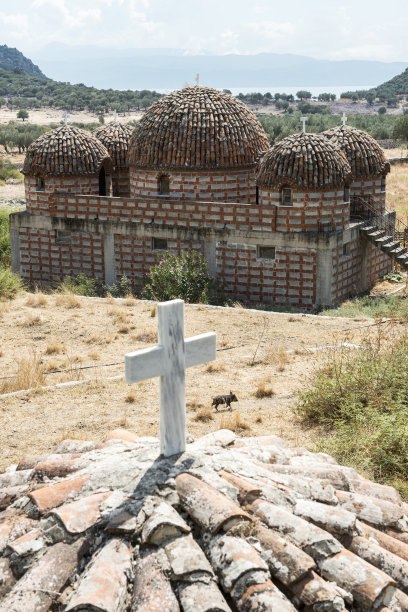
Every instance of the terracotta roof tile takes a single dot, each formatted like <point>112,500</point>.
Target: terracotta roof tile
<point>115,137</point>
<point>197,127</point>
<point>65,150</point>
<point>75,446</point>
<point>30,461</point>
<point>364,154</point>
<point>57,468</point>
<point>189,540</point>
<point>304,161</point>
<point>103,587</point>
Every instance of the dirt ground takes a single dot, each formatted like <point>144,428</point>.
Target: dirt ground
<point>44,116</point>
<point>258,353</point>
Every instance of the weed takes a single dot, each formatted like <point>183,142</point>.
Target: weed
<point>54,348</point>
<point>94,355</point>
<point>81,284</point>
<point>278,357</point>
<point>153,311</point>
<point>147,335</point>
<point>67,300</point>
<point>30,374</point>
<point>124,329</point>
<point>130,398</point>
<point>32,321</point>
<point>215,366</point>
<point>194,405</point>
<point>204,415</point>
<point>36,300</point>
<point>258,419</point>
<point>234,422</point>
<point>10,284</point>
<point>263,390</point>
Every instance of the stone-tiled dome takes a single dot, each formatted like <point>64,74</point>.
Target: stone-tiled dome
<point>65,150</point>
<point>230,524</point>
<point>197,127</point>
<point>115,137</point>
<point>304,160</point>
<point>364,154</point>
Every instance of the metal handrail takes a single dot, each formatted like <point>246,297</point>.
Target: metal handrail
<point>363,210</point>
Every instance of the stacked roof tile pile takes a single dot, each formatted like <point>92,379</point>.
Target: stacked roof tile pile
<point>364,154</point>
<point>197,127</point>
<point>308,161</point>
<point>65,150</point>
<point>231,524</point>
<point>115,138</point>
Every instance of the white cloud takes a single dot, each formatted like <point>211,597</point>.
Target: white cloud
<point>74,17</point>
<point>17,24</point>
<point>272,29</point>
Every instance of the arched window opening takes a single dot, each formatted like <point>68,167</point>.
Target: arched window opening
<point>257,195</point>
<point>346,196</point>
<point>163,185</point>
<point>40,183</point>
<point>286,198</point>
<point>102,182</point>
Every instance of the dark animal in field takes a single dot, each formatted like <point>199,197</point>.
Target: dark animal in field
<point>224,399</point>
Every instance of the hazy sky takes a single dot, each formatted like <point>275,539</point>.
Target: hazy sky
<point>325,29</point>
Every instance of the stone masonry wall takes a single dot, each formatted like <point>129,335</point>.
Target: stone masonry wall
<point>290,278</point>
<point>310,212</point>
<point>218,186</point>
<point>120,183</point>
<point>378,264</point>
<point>37,201</point>
<point>347,271</point>
<point>45,260</point>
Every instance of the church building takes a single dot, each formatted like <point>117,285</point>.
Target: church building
<point>295,224</point>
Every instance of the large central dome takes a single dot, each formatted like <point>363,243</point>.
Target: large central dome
<point>197,127</point>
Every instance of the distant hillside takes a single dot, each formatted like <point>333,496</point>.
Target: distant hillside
<point>13,60</point>
<point>396,86</point>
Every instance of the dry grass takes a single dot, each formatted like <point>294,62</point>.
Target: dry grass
<point>94,355</point>
<point>204,415</point>
<point>1,353</point>
<point>32,320</point>
<point>54,348</point>
<point>118,316</point>
<point>279,358</point>
<point>124,329</point>
<point>37,300</point>
<point>67,300</point>
<point>235,423</point>
<point>397,190</point>
<point>30,375</point>
<point>153,311</point>
<point>130,398</point>
<point>147,335</point>
<point>215,366</point>
<point>263,390</point>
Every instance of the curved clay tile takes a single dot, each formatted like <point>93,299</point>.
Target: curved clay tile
<point>306,161</point>
<point>65,150</point>
<point>197,127</point>
<point>115,137</point>
<point>364,154</point>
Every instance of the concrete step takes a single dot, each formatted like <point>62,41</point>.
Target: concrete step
<point>374,235</point>
<point>397,252</point>
<point>390,246</point>
<point>402,259</point>
<point>383,240</point>
<point>368,228</point>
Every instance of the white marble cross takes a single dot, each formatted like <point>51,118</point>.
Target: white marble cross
<point>303,120</point>
<point>169,360</point>
<point>65,117</point>
<point>344,119</point>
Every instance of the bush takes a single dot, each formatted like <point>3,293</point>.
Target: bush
<point>120,289</point>
<point>81,284</point>
<point>4,238</point>
<point>185,277</point>
<point>10,284</point>
<point>360,397</point>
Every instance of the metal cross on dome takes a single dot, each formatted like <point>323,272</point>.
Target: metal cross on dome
<point>344,119</point>
<point>169,360</point>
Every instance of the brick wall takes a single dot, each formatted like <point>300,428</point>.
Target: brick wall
<point>310,212</point>
<point>347,271</point>
<point>170,211</point>
<point>215,185</point>
<point>370,188</point>
<point>38,201</point>
<point>288,279</point>
<point>45,260</point>
<point>134,256</point>
<point>120,183</point>
<point>378,264</point>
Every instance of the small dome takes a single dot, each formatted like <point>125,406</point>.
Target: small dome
<point>306,161</point>
<point>65,150</point>
<point>115,137</point>
<point>364,154</point>
<point>197,127</point>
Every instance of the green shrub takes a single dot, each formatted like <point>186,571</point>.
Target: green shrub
<point>360,398</point>
<point>4,238</point>
<point>120,289</point>
<point>391,306</point>
<point>185,277</point>
<point>9,171</point>
<point>10,284</point>
<point>81,284</point>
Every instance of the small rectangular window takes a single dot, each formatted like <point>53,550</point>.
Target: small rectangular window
<point>62,237</point>
<point>159,244</point>
<point>346,249</point>
<point>383,183</point>
<point>346,194</point>
<point>40,184</point>
<point>287,196</point>
<point>266,252</point>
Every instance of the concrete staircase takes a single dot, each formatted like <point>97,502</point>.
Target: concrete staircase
<point>386,243</point>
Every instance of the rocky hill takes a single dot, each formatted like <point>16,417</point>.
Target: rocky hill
<point>398,85</point>
<point>13,60</point>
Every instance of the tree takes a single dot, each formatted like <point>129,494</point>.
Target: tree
<point>370,97</point>
<point>303,95</point>
<point>382,110</point>
<point>401,128</point>
<point>22,114</point>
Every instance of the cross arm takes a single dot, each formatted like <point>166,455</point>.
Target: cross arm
<point>200,349</point>
<point>144,364</point>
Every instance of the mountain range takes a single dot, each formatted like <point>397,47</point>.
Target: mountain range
<point>13,59</point>
<point>172,68</point>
